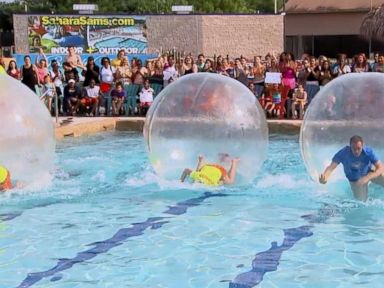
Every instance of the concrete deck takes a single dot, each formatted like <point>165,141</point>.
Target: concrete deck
<point>82,126</point>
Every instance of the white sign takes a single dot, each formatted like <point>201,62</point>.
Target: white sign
<point>273,77</point>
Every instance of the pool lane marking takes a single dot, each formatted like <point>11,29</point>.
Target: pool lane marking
<point>117,239</point>
<point>269,260</point>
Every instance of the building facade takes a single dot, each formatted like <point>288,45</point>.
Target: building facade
<point>328,27</point>
<point>232,35</point>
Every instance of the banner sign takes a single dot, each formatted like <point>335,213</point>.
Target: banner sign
<point>88,34</point>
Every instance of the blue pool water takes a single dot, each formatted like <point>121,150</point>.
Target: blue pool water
<point>121,43</point>
<point>107,221</point>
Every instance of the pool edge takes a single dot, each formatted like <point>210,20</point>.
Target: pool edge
<point>82,126</point>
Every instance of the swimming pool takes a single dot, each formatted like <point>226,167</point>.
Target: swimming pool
<point>108,222</point>
<point>121,43</point>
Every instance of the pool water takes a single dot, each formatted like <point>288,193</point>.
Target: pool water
<point>107,221</point>
<point>122,43</point>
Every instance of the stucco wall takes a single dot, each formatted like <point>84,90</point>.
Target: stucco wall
<point>246,35</point>
<point>235,35</point>
<point>20,27</point>
<point>323,24</point>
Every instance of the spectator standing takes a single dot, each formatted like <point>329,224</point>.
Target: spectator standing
<point>138,73</point>
<point>124,73</point>
<point>200,62</point>
<point>375,60</point>
<point>29,74</point>
<point>91,71</point>
<point>312,79</point>
<point>239,72</point>
<point>258,71</point>
<point>208,67</point>
<point>12,70</point>
<point>361,64</point>
<point>74,59</point>
<point>57,77</point>
<point>49,91</point>
<point>325,75</point>
<point>341,67</point>
<point>158,75</point>
<point>379,66</point>
<point>288,71</point>
<point>274,65</point>
<point>170,72</point>
<point>107,75</point>
<point>117,61</point>
<point>70,72</point>
<point>41,66</point>
<point>188,66</point>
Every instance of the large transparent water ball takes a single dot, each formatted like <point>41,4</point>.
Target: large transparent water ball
<point>206,114</point>
<point>349,105</point>
<point>27,141</point>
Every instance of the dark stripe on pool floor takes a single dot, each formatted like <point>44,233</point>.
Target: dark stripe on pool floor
<point>116,240</point>
<point>9,216</point>
<point>268,261</point>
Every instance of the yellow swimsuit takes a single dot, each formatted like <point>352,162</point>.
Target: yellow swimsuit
<point>209,175</point>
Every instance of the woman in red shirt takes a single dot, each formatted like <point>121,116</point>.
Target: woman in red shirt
<point>12,70</point>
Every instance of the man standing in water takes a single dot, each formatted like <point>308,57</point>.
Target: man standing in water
<point>361,165</point>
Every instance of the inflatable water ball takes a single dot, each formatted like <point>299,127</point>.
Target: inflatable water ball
<point>206,114</point>
<point>349,105</point>
<point>27,141</point>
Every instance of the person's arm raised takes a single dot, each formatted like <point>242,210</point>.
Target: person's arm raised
<point>200,162</point>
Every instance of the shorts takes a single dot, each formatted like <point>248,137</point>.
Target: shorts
<point>88,101</point>
<point>105,87</point>
<point>145,104</point>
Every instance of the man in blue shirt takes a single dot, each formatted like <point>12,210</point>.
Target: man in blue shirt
<point>361,165</point>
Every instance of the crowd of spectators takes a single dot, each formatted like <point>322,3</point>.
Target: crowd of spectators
<point>126,86</point>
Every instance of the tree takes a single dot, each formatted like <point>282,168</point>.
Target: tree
<point>372,26</point>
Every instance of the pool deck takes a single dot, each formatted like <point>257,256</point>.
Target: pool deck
<point>83,126</point>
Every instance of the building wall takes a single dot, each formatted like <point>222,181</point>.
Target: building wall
<point>246,35</point>
<point>235,35</point>
<point>323,24</point>
<point>20,27</point>
<point>168,32</point>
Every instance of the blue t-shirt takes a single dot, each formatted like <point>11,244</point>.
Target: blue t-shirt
<point>356,167</point>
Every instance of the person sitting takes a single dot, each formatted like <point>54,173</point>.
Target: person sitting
<point>299,99</point>
<point>91,97</point>
<point>72,96</point>
<point>146,97</point>
<point>275,106</point>
<point>5,179</point>
<point>211,174</point>
<point>118,96</point>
